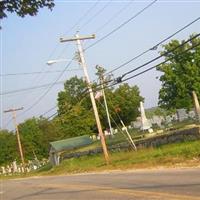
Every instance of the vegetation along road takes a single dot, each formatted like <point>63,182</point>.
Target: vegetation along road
<point>165,184</point>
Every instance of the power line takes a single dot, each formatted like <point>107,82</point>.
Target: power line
<point>39,72</point>
<point>155,46</point>
<point>131,71</point>
<point>162,55</point>
<point>113,16</point>
<point>198,44</point>
<point>47,91</point>
<point>83,16</point>
<point>138,74</point>
<point>86,13</point>
<point>119,80</point>
<point>82,96</point>
<point>49,110</point>
<point>155,66</point>
<point>95,15</point>
<point>41,97</point>
<point>141,65</point>
<point>54,114</point>
<point>30,88</point>
<point>121,25</point>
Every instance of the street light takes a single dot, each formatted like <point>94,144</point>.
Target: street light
<point>51,62</point>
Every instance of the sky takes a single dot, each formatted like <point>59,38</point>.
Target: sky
<point>28,43</point>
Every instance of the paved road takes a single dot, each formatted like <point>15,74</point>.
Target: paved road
<point>167,184</point>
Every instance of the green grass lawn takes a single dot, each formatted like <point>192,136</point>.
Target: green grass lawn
<point>179,154</point>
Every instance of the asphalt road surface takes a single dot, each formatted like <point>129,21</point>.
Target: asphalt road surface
<point>164,184</point>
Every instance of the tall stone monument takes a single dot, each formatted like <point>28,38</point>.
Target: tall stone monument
<point>146,125</point>
<point>196,105</point>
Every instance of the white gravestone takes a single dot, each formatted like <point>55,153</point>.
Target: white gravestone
<point>182,114</point>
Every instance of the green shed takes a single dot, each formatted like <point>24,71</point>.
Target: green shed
<point>58,147</point>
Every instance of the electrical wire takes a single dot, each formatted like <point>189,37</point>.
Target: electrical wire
<point>53,115</point>
<point>192,47</point>
<point>86,13</point>
<point>38,100</point>
<point>49,110</point>
<point>121,25</point>
<point>114,16</point>
<point>82,96</point>
<point>162,55</point>
<point>120,78</point>
<point>83,16</point>
<point>95,15</point>
<point>198,44</point>
<point>41,97</point>
<point>47,91</point>
<point>39,72</point>
<point>131,71</point>
<point>124,24</point>
<point>31,88</point>
<point>155,46</point>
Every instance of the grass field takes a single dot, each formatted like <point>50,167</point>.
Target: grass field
<point>179,154</point>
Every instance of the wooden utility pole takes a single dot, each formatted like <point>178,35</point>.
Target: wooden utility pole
<point>78,39</point>
<point>13,110</point>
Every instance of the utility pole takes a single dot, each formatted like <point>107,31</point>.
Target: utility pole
<point>78,39</point>
<point>13,110</point>
<point>101,78</point>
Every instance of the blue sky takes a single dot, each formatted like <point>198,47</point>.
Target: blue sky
<point>28,43</point>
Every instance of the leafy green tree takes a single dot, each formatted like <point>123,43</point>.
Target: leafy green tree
<point>50,129</point>
<point>32,139</point>
<point>23,8</point>
<point>74,109</point>
<point>125,102</point>
<point>77,121</point>
<point>181,75</point>
<point>8,146</point>
<point>36,134</point>
<point>74,90</point>
<point>122,102</point>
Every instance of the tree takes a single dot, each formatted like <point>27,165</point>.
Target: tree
<point>74,109</point>
<point>181,75</point>
<point>74,89</point>
<point>23,7</point>
<point>77,121</point>
<point>32,139</point>
<point>125,102</point>
<point>9,148</point>
<point>36,134</point>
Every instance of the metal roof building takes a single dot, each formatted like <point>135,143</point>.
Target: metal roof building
<point>61,146</point>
